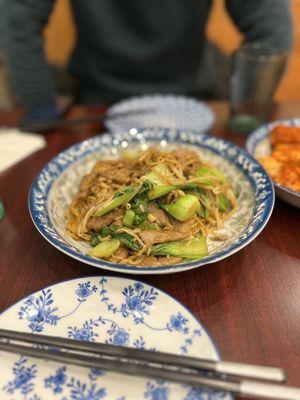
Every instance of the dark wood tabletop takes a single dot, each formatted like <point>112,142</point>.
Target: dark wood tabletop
<point>249,302</point>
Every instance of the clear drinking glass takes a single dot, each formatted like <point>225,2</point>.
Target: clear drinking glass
<point>256,71</point>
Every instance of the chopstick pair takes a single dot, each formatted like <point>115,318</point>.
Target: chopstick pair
<point>218,375</point>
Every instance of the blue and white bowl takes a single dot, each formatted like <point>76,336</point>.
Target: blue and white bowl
<point>111,310</point>
<point>258,144</point>
<point>57,184</point>
<point>167,111</point>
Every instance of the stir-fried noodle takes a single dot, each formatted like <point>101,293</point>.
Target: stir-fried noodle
<point>141,209</point>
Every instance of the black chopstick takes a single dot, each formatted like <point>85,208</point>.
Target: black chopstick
<point>61,123</point>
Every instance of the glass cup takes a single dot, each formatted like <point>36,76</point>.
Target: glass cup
<point>256,71</point>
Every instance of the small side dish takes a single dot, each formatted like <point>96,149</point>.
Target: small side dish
<point>150,208</point>
<point>283,164</point>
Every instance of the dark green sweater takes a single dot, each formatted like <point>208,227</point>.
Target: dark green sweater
<point>128,47</point>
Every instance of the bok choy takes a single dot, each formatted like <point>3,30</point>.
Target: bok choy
<point>194,248</point>
<point>212,174</point>
<point>124,237</point>
<point>120,199</point>
<point>159,191</point>
<point>160,175</point>
<point>184,208</point>
<point>105,249</point>
<point>224,204</point>
<point>139,204</point>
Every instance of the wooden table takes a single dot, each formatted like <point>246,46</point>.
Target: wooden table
<point>249,302</point>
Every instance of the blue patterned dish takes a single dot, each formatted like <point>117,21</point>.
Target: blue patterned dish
<point>102,309</point>
<point>258,144</point>
<point>169,111</point>
<point>58,182</point>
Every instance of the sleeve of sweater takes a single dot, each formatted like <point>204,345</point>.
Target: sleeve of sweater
<point>263,20</point>
<point>23,41</point>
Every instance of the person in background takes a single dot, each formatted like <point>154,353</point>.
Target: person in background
<point>128,47</point>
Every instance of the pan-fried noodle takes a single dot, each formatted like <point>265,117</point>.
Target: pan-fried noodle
<point>101,211</point>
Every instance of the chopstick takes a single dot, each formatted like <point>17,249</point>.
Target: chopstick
<point>220,367</point>
<point>180,369</point>
<point>54,123</point>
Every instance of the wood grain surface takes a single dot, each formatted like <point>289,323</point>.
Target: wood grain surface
<point>249,302</point>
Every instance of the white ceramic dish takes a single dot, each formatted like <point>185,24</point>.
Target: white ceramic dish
<point>106,309</point>
<point>57,184</point>
<point>258,144</point>
<point>166,111</point>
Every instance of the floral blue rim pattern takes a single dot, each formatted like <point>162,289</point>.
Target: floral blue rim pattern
<point>260,182</point>
<point>164,110</point>
<point>262,133</point>
<point>42,312</point>
<point>85,290</point>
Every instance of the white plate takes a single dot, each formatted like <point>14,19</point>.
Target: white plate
<point>102,309</point>
<point>258,144</point>
<point>166,111</point>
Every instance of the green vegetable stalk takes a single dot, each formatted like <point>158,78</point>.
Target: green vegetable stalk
<point>94,240</point>
<point>184,208</point>
<point>128,218</point>
<point>140,209</point>
<point>160,175</point>
<point>139,205</point>
<point>194,248</point>
<point>105,249</point>
<point>205,209</point>
<point>121,198</point>
<point>204,201</point>
<point>224,204</point>
<point>204,213</point>
<point>159,191</point>
<point>214,173</point>
<point>146,226</point>
<point>124,237</point>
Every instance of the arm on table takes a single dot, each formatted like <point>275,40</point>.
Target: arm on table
<point>24,21</point>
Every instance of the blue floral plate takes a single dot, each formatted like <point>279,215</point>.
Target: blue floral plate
<point>258,144</point>
<point>168,111</point>
<point>102,309</point>
<point>58,182</point>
